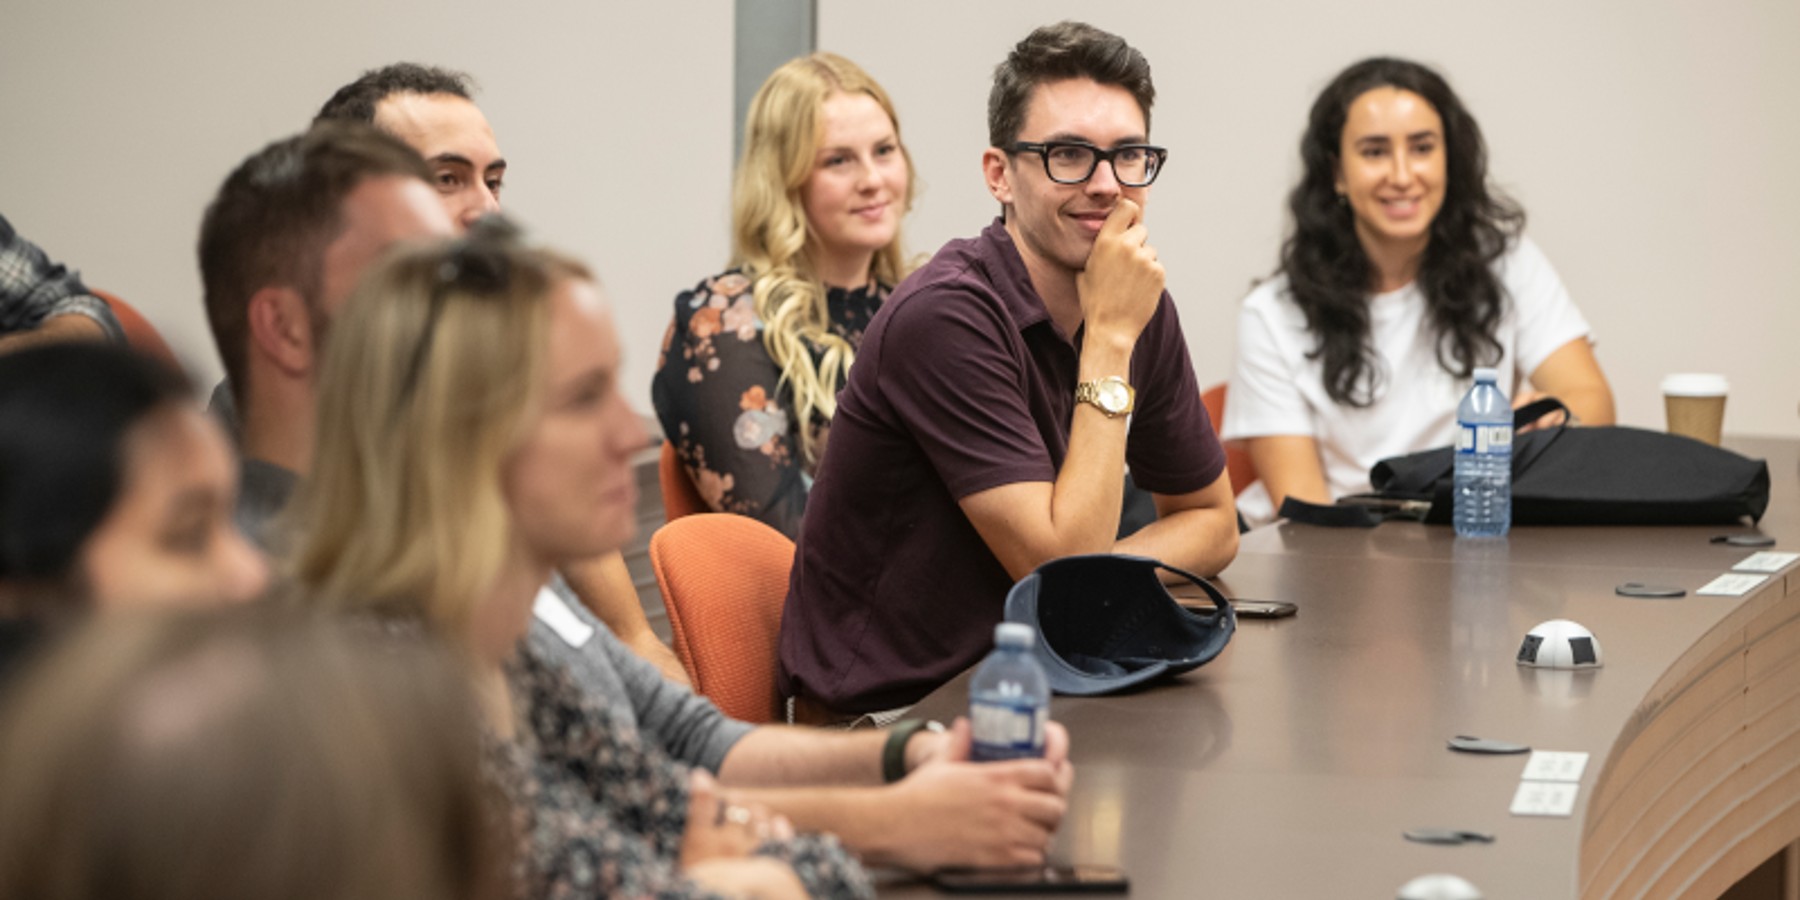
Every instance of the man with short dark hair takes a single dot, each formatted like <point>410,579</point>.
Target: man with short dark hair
<point>999,394</point>
<point>281,246</point>
<point>433,111</point>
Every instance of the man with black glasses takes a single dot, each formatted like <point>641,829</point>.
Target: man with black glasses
<point>999,395</point>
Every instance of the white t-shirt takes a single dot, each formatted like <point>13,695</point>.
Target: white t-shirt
<point>1276,390</point>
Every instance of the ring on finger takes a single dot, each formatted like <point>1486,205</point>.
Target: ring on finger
<point>737,815</point>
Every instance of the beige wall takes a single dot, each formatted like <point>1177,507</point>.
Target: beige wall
<point>119,120</point>
<point>1655,146</point>
<point>1652,143</point>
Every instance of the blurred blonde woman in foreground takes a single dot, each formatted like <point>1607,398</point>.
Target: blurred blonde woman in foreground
<point>472,437</point>
<point>243,753</point>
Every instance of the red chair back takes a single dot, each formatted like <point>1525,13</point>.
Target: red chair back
<point>1237,459</point>
<point>139,333</point>
<point>724,580</point>
<point>680,497</point>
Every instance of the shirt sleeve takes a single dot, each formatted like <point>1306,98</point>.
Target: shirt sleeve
<point>685,725</point>
<point>951,373</point>
<point>34,289</point>
<point>1172,448</point>
<point>1547,317</point>
<point>718,396</point>
<point>1264,396</point>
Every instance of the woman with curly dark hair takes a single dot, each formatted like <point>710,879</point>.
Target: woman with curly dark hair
<point>1403,273</point>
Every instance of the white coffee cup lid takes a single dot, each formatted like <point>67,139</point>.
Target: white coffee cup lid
<point>1695,384</point>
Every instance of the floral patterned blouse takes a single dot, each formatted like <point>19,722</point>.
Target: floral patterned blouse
<point>717,394</point>
<point>598,813</point>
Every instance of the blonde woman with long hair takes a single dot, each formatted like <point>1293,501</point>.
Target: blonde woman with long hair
<point>472,438</point>
<point>751,366</point>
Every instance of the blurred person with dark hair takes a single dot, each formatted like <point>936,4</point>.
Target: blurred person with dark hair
<point>248,753</point>
<point>115,491</point>
<point>432,110</point>
<point>42,300</point>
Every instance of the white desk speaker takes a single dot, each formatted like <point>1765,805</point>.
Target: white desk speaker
<point>1438,887</point>
<point>1560,644</point>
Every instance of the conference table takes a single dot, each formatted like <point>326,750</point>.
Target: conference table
<point>1291,765</point>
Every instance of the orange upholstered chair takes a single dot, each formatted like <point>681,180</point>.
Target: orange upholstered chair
<point>1237,459</point>
<point>724,579</point>
<point>139,333</point>
<point>680,497</point>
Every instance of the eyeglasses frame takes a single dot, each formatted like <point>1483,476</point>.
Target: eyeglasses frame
<point>1101,155</point>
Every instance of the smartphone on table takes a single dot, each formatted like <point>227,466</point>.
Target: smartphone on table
<point>1032,880</point>
<point>1192,597</point>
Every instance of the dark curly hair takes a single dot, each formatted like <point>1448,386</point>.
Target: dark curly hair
<point>1330,276</point>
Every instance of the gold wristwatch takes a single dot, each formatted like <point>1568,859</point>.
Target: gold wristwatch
<point>1110,395</point>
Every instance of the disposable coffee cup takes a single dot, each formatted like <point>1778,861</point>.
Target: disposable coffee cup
<point>1696,405</point>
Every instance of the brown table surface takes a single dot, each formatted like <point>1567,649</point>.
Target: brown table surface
<point>1290,765</point>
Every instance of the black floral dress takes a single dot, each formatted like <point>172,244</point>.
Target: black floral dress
<point>598,813</point>
<point>719,398</point>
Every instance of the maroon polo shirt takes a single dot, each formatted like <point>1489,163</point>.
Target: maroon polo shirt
<point>963,383</point>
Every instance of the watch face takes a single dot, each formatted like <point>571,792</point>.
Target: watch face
<point>1114,397</point>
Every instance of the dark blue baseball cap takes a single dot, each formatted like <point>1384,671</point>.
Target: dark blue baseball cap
<point>1107,623</point>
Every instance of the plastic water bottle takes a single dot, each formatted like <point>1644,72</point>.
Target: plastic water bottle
<point>1009,700</point>
<point>1483,484</point>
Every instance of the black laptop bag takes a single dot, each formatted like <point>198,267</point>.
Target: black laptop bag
<point>1595,476</point>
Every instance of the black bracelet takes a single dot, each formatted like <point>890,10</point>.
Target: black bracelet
<point>893,753</point>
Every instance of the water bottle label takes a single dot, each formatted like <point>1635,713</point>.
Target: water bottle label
<point>1008,728</point>
<point>1484,439</point>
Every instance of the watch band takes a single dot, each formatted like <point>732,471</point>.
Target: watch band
<point>893,753</point>
<point>1088,392</point>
